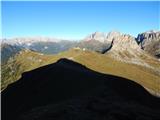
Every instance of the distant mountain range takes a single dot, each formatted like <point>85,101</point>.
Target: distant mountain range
<point>44,45</point>
<point>100,42</point>
<point>94,78</point>
<point>18,54</point>
<point>121,47</point>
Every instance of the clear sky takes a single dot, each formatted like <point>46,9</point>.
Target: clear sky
<point>75,20</point>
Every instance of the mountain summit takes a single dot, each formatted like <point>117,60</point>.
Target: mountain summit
<point>98,36</point>
<point>118,40</point>
<point>97,41</point>
<point>122,41</point>
<point>150,42</point>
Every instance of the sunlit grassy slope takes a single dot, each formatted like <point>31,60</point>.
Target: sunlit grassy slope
<point>28,60</point>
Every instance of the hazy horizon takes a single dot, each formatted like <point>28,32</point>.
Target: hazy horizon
<point>75,20</point>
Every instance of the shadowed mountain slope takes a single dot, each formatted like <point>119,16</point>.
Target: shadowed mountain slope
<point>69,90</point>
<point>28,60</point>
<point>8,51</point>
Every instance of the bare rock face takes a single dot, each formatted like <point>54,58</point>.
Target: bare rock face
<point>147,37</point>
<point>112,35</point>
<point>98,36</point>
<point>122,47</point>
<point>117,40</point>
<point>121,41</point>
<point>126,49</point>
<point>95,42</point>
<point>150,42</point>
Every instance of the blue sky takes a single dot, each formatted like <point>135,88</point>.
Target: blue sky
<point>75,20</point>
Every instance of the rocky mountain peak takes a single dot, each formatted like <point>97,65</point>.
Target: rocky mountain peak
<point>121,41</point>
<point>98,36</point>
<point>117,40</point>
<point>115,35</point>
<point>103,37</point>
<point>152,31</point>
<point>112,35</point>
<point>148,36</point>
<point>150,42</point>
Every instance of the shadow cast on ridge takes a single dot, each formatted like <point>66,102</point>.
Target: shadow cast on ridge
<point>64,83</point>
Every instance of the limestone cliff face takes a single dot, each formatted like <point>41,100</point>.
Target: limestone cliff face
<point>122,47</point>
<point>150,42</point>
<point>98,36</point>
<point>122,41</point>
<point>125,48</point>
<point>149,36</point>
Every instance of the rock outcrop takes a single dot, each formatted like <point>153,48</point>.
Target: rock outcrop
<point>121,41</point>
<point>150,42</point>
<point>98,36</point>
